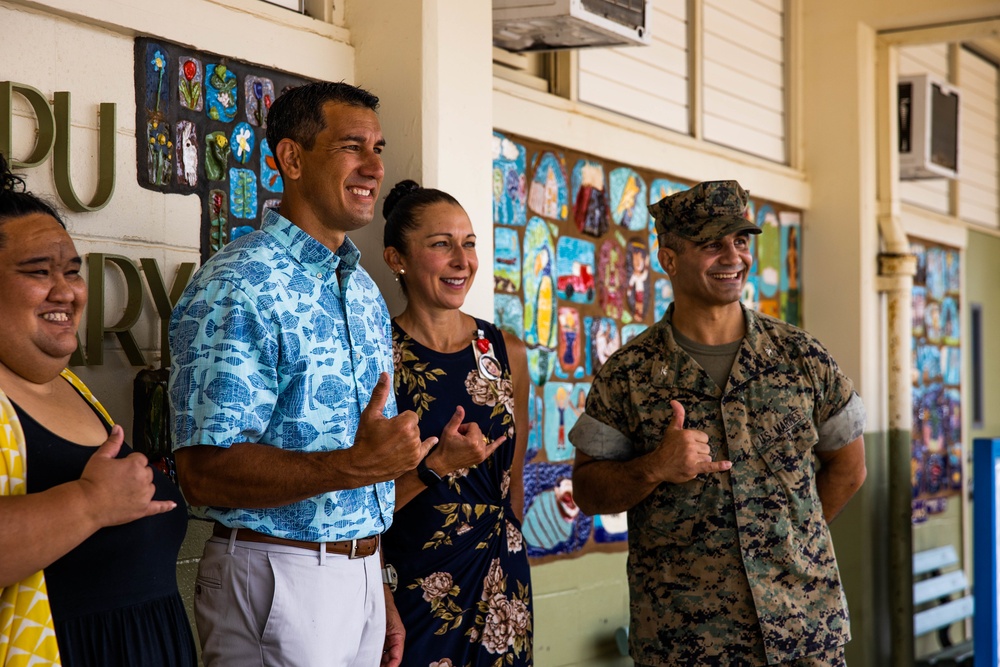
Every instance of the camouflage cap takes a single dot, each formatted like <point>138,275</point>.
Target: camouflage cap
<point>706,212</point>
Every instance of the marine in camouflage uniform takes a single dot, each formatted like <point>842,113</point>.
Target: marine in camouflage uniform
<point>734,565</point>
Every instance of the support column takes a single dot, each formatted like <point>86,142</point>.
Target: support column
<point>431,63</point>
<point>897,266</point>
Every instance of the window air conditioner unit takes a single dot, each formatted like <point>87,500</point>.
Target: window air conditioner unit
<point>548,25</point>
<point>928,128</point>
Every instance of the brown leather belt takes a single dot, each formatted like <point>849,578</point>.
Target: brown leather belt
<point>360,548</point>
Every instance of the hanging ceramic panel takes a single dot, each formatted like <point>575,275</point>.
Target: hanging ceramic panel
<point>204,114</point>
<point>553,524</point>
<point>157,79</point>
<point>539,285</point>
<point>509,314</point>
<point>506,260</point>
<point>570,345</point>
<point>590,213</point>
<point>575,270</point>
<point>536,412</point>
<point>159,153</point>
<point>548,194</point>
<point>508,181</point>
<point>936,457</point>
<point>637,294</point>
<point>258,92</point>
<point>219,219</point>
<point>603,340</point>
<point>664,297</point>
<point>187,153</point>
<point>242,142</point>
<point>221,93</point>
<point>191,84</point>
<point>270,177</point>
<point>768,253</point>
<point>628,199</point>
<point>611,278</point>
<point>242,193</point>
<point>630,331</point>
<point>568,401</point>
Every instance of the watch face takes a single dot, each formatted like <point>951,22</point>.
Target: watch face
<point>426,475</point>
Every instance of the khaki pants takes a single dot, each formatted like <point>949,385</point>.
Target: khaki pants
<point>265,604</point>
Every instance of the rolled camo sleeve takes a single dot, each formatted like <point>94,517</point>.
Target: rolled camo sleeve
<point>593,433</point>
<point>843,427</point>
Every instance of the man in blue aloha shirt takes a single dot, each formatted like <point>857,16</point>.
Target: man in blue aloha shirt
<point>285,425</point>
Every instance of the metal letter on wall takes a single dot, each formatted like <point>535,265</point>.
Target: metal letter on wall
<point>95,309</point>
<point>54,131</point>
<point>163,300</point>
<point>43,117</point>
<point>106,159</point>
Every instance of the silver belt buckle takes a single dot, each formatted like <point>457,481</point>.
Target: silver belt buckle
<point>354,549</point>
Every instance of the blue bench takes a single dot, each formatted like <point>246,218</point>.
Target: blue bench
<point>938,579</point>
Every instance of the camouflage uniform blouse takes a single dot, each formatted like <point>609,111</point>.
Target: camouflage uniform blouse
<point>739,562</point>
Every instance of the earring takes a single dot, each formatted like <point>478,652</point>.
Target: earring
<point>401,272</point>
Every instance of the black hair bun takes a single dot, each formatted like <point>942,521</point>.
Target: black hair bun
<point>8,181</point>
<point>400,190</point>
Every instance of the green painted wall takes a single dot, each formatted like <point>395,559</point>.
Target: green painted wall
<point>859,538</point>
<point>982,280</point>
<point>579,603</point>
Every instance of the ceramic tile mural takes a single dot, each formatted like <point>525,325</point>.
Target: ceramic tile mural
<point>936,465</point>
<point>204,118</point>
<point>576,277</point>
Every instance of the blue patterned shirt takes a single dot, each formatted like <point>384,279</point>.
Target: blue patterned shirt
<point>279,341</point>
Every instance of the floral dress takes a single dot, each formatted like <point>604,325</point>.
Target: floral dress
<point>464,591</point>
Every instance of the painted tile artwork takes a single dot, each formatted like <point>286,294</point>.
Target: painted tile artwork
<point>570,345</point>
<point>190,83</point>
<point>506,260</point>
<point>205,118</point>
<point>221,93</point>
<point>628,199</point>
<point>575,270</point>
<point>548,195</point>
<point>576,276</point>
<point>508,182</point>
<point>270,178</point>
<point>509,313</point>
<point>936,470</point>
<point>590,212</point>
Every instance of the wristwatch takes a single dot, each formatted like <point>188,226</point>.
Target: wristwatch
<point>427,475</point>
<point>389,577</point>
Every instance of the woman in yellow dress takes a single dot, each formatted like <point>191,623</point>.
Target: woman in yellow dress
<point>90,532</point>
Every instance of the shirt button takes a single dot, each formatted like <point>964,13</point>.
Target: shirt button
<point>319,275</point>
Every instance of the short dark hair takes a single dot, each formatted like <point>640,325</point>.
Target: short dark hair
<point>672,241</point>
<point>402,206</point>
<point>16,201</point>
<point>297,114</point>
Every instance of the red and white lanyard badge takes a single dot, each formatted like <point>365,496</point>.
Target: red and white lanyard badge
<point>486,360</point>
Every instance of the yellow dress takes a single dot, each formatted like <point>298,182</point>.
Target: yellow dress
<point>26,633</point>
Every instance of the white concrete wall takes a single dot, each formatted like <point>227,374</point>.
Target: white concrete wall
<point>434,82</point>
<point>87,49</point>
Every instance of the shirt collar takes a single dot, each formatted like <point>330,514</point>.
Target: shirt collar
<point>313,255</point>
<point>757,353</point>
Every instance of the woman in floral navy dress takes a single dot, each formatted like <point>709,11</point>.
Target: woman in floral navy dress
<point>464,592</point>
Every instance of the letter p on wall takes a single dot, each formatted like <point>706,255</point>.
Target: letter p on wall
<point>53,137</point>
